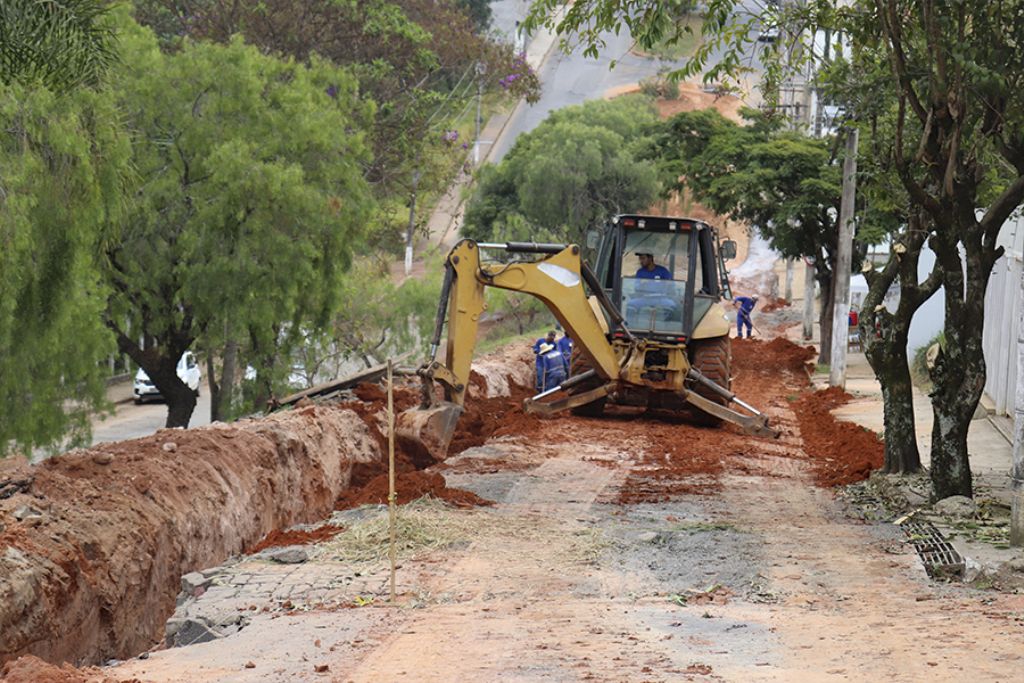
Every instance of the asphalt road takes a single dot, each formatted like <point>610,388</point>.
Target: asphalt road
<point>131,421</point>
<point>571,79</point>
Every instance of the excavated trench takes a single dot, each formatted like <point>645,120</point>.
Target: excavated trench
<point>93,542</point>
<point>91,569</point>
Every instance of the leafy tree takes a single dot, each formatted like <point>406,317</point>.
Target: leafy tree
<point>59,44</point>
<point>574,170</point>
<point>250,196</point>
<point>958,76</point>
<point>64,161</point>
<point>783,183</point>
<point>479,11</point>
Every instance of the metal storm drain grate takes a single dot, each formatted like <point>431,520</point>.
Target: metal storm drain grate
<point>940,559</point>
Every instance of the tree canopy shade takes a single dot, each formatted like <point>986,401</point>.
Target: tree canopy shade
<point>573,171</point>
<point>59,44</point>
<point>64,160</point>
<point>250,197</point>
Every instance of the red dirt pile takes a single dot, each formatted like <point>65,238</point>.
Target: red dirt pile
<point>773,304</point>
<point>485,418</point>
<point>494,407</point>
<point>29,669</point>
<point>842,452</point>
<point>92,570</point>
<point>409,486</point>
<point>279,538</point>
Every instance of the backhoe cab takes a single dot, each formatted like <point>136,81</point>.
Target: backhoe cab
<point>648,325</point>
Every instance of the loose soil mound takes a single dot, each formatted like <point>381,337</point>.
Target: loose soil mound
<point>773,304</point>
<point>93,572</point>
<point>279,538</point>
<point>842,452</point>
<point>29,669</point>
<point>409,486</point>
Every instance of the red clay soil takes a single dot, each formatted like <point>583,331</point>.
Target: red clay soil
<point>279,538</point>
<point>842,452</point>
<point>676,457</point>
<point>29,669</point>
<point>485,418</point>
<point>94,576</point>
<point>409,486</point>
<point>773,304</point>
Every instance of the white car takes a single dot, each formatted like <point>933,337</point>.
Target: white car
<point>188,372</point>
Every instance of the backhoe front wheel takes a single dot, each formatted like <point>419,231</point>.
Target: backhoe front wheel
<point>712,358</point>
<point>579,364</point>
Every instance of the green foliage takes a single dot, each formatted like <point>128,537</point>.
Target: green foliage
<point>59,44</point>
<point>573,171</point>
<point>64,159</point>
<point>782,182</point>
<point>378,318</point>
<point>416,59</point>
<point>479,11</point>
<point>250,198</point>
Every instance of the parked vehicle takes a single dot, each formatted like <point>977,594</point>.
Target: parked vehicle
<point>188,372</point>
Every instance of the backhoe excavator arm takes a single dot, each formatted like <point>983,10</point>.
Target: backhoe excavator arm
<point>556,280</point>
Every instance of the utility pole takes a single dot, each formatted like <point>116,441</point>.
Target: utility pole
<point>1017,466</point>
<point>810,284</point>
<point>480,70</point>
<point>844,256</point>
<point>410,229</point>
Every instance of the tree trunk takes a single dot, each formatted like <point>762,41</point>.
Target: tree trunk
<point>181,402</point>
<point>884,336</point>
<point>901,453</point>
<point>959,371</point>
<point>161,365</point>
<point>825,319</point>
<point>221,393</point>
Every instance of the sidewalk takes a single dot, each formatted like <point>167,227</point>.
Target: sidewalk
<point>990,451</point>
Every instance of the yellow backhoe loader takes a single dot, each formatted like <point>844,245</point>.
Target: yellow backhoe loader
<point>651,332</point>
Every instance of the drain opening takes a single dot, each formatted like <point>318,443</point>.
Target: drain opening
<point>940,559</point>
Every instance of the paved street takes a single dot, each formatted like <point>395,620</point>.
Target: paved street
<point>131,421</point>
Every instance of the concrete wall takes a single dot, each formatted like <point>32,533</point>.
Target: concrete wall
<point>1002,316</point>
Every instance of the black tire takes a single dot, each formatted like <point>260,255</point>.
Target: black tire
<point>712,358</point>
<point>579,364</point>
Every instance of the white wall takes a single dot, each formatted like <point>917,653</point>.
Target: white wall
<point>1002,313</point>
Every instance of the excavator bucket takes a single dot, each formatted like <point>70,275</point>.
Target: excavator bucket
<point>425,433</point>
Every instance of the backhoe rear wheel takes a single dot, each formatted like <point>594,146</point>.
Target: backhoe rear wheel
<point>712,358</point>
<point>579,364</point>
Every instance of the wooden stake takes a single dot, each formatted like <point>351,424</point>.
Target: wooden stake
<point>391,476</point>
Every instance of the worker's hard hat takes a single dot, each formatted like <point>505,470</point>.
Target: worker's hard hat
<point>544,348</point>
<point>644,253</point>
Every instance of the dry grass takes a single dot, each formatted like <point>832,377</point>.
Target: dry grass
<point>428,525</point>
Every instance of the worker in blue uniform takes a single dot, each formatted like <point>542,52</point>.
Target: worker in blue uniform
<point>565,347</point>
<point>552,365</point>
<point>549,339</point>
<point>744,306</point>
<point>649,270</point>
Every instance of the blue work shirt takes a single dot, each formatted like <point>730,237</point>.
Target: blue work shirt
<point>746,304</point>
<point>551,365</point>
<point>565,346</point>
<point>656,273</point>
